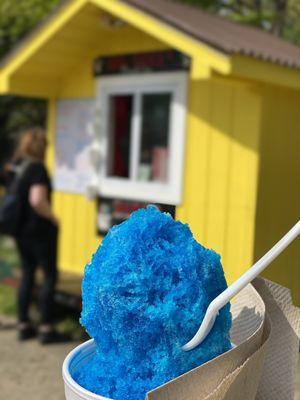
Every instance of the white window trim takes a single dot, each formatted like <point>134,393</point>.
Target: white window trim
<point>126,188</point>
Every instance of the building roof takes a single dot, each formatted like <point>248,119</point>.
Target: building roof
<point>215,45</point>
<point>220,33</point>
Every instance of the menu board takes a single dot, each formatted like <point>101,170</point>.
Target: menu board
<point>73,169</point>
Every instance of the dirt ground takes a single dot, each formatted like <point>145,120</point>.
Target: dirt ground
<point>19,362</point>
<point>297,394</point>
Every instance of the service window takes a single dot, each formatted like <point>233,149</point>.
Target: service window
<point>143,135</point>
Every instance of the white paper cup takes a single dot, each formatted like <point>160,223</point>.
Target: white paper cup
<point>74,361</point>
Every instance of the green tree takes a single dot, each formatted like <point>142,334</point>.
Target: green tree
<point>17,18</point>
<point>17,113</point>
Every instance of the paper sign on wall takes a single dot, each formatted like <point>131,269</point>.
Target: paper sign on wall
<point>73,169</point>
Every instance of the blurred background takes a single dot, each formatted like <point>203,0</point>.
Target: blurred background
<point>192,105</point>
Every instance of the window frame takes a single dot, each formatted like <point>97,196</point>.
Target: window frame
<point>136,85</point>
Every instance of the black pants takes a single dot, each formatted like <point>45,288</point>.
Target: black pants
<point>37,252</point>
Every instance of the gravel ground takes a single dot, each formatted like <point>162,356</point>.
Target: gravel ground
<point>19,362</point>
<point>297,394</point>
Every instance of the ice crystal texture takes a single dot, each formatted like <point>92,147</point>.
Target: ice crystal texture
<point>145,294</point>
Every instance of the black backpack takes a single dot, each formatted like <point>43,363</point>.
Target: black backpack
<point>11,205</point>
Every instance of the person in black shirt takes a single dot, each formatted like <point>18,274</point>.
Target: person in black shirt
<point>37,237</point>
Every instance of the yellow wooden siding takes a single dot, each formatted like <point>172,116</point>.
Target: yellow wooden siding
<point>81,82</point>
<point>278,202</point>
<point>78,239</point>
<point>265,72</point>
<point>221,170</point>
<point>50,135</point>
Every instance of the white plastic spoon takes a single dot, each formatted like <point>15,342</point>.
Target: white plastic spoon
<point>232,290</point>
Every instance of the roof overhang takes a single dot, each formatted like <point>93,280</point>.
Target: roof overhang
<point>266,72</point>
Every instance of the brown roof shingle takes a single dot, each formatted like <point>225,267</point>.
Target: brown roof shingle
<point>220,33</point>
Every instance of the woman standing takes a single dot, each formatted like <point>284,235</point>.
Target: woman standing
<point>37,236</point>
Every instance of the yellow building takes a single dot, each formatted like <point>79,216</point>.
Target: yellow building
<point>153,101</point>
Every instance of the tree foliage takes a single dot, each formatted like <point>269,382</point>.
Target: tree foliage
<point>17,18</point>
<point>16,114</point>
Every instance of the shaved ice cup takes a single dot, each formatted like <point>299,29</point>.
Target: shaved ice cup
<point>251,369</point>
<point>75,360</point>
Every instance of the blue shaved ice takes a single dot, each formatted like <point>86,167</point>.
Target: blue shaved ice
<point>145,294</point>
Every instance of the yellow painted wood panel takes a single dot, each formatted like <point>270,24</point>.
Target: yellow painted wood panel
<point>34,87</point>
<point>50,135</point>
<point>86,240</point>
<point>94,239</point>
<point>81,83</point>
<point>218,166</point>
<point>78,239</point>
<point>278,200</point>
<point>242,183</point>
<point>265,72</point>
<point>193,208</point>
<point>221,170</point>
<point>68,228</point>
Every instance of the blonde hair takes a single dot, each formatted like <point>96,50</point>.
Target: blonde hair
<point>31,145</point>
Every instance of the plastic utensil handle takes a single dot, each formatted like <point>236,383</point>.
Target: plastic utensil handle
<point>257,268</point>
<point>237,286</point>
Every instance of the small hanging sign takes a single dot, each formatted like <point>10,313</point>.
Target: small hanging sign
<point>158,61</point>
<point>114,211</point>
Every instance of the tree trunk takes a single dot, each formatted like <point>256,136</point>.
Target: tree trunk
<point>280,8</point>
